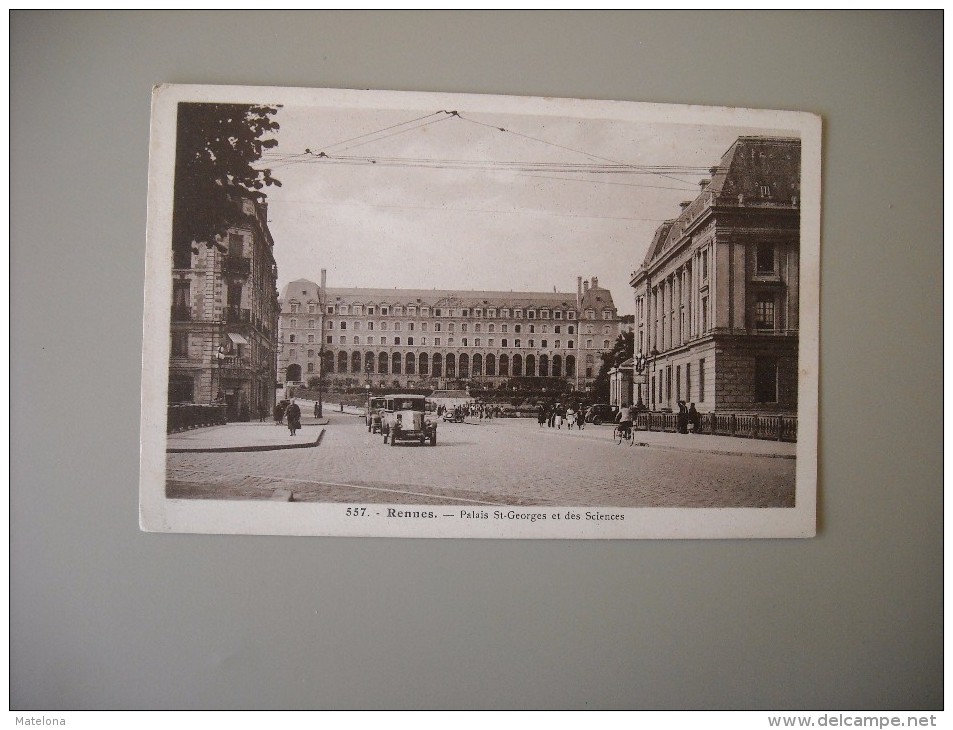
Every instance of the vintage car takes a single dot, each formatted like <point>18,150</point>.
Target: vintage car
<point>372,415</point>
<point>600,413</point>
<point>405,417</point>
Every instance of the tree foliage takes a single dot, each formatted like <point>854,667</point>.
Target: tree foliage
<point>216,147</point>
<point>622,350</point>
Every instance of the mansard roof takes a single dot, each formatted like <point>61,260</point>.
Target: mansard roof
<point>451,298</point>
<point>755,172</point>
<point>597,298</point>
<point>301,290</point>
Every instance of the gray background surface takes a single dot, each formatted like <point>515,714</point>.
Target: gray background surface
<point>103,616</point>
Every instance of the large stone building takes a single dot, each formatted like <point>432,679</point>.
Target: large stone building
<point>225,319</point>
<point>439,338</point>
<point>716,298</point>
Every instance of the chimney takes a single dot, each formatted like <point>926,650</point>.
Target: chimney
<point>324,278</point>
<point>704,184</point>
<point>684,204</point>
<point>585,285</point>
<point>595,282</point>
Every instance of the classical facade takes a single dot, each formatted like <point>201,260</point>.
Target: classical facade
<point>620,383</point>
<point>225,319</point>
<point>439,338</point>
<point>716,298</point>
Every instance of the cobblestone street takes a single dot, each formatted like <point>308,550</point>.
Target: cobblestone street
<point>508,462</point>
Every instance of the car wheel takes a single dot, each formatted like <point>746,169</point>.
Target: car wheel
<point>423,440</point>
<point>368,428</point>
<point>596,421</point>
<point>385,435</point>
<point>433,439</point>
<point>393,440</point>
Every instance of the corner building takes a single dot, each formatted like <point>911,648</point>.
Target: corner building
<point>438,338</point>
<point>716,298</point>
<point>225,318</point>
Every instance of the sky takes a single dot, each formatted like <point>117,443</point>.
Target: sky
<point>452,202</point>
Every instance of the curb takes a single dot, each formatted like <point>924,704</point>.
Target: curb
<point>246,449</point>
<point>668,447</point>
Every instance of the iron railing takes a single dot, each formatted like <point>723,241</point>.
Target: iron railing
<point>769,426</point>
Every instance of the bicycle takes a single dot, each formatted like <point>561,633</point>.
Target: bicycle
<point>619,434</point>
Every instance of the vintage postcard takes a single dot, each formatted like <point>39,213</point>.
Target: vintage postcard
<point>374,313</point>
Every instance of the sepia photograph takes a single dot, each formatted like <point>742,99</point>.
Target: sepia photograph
<point>438,315</point>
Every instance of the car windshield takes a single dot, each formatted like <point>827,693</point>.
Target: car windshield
<point>408,404</point>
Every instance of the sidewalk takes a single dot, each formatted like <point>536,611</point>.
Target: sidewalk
<point>702,443</point>
<point>251,436</point>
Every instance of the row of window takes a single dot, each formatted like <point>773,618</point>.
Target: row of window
<point>412,310</point>
<point>343,356</point>
<point>665,382</point>
<point>450,327</point>
<point>437,365</point>
<point>670,380</point>
<point>452,342</point>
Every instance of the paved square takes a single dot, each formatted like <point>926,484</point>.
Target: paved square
<point>497,462</point>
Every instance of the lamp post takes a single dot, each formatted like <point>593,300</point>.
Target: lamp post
<point>321,382</point>
<point>640,365</point>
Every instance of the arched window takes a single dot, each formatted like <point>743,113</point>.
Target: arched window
<point>382,363</point>
<point>570,365</point>
<point>530,365</point>
<point>410,364</point>
<point>395,363</point>
<point>451,366</point>
<point>342,362</point>
<point>437,365</point>
<point>355,362</point>
<point>504,365</point>
<point>423,364</point>
<point>491,364</point>
<point>368,362</point>
<point>544,366</point>
<point>478,364</point>
<point>464,366</point>
<point>557,366</point>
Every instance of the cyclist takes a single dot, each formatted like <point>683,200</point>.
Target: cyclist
<point>625,419</point>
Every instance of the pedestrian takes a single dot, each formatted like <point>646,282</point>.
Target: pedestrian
<point>541,415</point>
<point>695,419</point>
<point>315,409</point>
<point>681,420</point>
<point>552,415</point>
<point>278,412</point>
<point>570,417</point>
<point>294,416</point>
